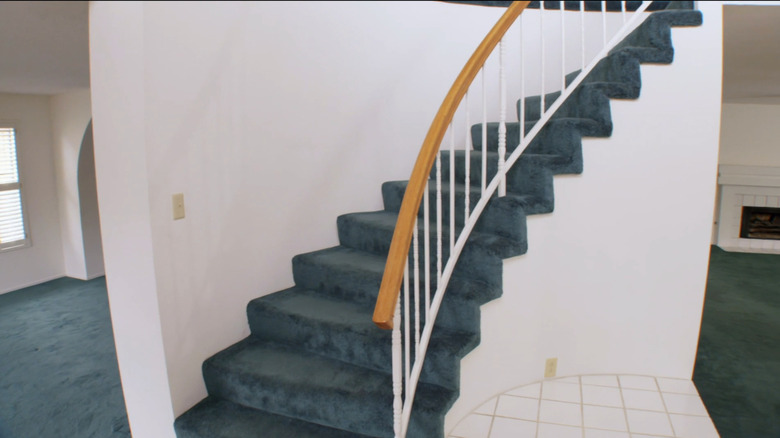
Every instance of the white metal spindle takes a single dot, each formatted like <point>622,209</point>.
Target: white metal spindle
<point>522,82</point>
<point>407,331</point>
<point>623,6</point>
<point>604,23</point>
<point>563,47</point>
<point>427,249</point>
<point>467,157</point>
<point>582,31</point>
<point>541,44</point>
<point>438,219</point>
<point>452,188</point>
<point>484,131</point>
<point>416,253</point>
<point>398,405</point>
<point>502,117</point>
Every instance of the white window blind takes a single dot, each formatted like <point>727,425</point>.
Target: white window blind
<point>12,226</point>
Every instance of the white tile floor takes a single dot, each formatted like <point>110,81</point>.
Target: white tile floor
<point>602,406</point>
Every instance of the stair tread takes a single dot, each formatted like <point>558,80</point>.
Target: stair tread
<point>279,365</point>
<point>292,382</point>
<point>217,418</point>
<point>347,261</point>
<point>348,316</point>
<point>386,220</point>
<point>522,200</point>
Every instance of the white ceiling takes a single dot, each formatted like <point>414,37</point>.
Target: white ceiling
<point>44,48</point>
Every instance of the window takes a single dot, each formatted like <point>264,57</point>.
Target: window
<point>13,233</point>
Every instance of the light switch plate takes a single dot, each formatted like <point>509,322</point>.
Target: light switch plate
<point>178,206</point>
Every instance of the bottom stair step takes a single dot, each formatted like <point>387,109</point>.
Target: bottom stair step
<point>215,418</point>
<point>294,383</point>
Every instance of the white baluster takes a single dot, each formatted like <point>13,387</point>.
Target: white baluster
<point>502,118</point>
<point>604,23</point>
<point>407,331</point>
<point>522,81</point>
<point>452,188</point>
<point>397,372</point>
<point>416,253</point>
<point>563,47</point>
<point>467,155</point>
<point>582,30</point>
<point>541,44</point>
<point>484,130</point>
<point>427,250</point>
<point>623,7</point>
<point>438,219</point>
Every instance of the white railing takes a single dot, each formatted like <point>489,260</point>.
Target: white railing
<point>545,45</point>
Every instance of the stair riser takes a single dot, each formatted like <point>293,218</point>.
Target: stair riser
<point>475,262</point>
<point>527,177</point>
<point>362,289</point>
<point>355,286</point>
<point>561,137</point>
<point>369,416</point>
<point>368,350</point>
<point>393,194</point>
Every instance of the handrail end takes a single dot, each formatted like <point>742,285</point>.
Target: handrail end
<point>382,322</point>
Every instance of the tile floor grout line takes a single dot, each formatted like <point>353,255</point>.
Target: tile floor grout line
<point>539,409</point>
<point>493,414</point>
<point>625,408</point>
<point>582,408</point>
<point>668,415</point>
<point>492,420</point>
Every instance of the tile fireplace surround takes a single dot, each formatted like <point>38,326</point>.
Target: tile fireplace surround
<point>745,186</point>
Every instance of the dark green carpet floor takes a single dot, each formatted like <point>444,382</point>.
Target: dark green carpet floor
<point>738,362</point>
<point>58,368</point>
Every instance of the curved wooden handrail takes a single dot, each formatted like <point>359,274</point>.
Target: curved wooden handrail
<point>402,236</point>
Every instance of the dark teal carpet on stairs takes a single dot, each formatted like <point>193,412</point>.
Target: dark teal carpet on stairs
<point>58,369</point>
<point>738,362</point>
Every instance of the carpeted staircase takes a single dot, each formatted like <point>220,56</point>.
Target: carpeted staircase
<point>316,366</point>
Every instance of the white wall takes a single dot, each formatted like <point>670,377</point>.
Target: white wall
<point>42,261</point>
<point>117,82</point>
<point>70,115</point>
<point>88,203</point>
<point>749,135</point>
<point>278,119</point>
<point>613,281</point>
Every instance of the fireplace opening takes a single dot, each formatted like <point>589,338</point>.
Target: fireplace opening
<point>760,223</point>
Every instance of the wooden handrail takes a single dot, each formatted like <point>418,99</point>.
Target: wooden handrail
<point>402,236</point>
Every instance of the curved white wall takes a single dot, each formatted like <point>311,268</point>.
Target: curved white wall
<point>88,206</point>
<point>70,115</point>
<point>613,281</point>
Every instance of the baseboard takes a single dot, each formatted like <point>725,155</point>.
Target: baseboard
<point>32,283</point>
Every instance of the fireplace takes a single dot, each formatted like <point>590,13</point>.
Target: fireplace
<point>760,223</point>
<point>749,209</point>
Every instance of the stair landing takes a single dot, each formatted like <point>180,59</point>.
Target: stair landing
<point>592,406</point>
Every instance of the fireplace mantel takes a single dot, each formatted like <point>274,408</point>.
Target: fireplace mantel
<point>745,186</point>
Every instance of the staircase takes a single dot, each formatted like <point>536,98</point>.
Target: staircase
<point>316,366</point>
